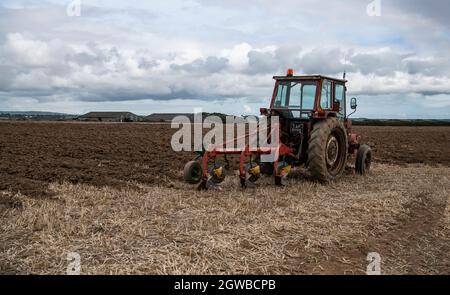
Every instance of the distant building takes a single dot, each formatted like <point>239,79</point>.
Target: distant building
<point>109,117</point>
<point>166,117</point>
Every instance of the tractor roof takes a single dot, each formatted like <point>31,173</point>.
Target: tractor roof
<point>309,77</point>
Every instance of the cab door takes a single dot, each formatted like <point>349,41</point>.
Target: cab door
<point>339,96</point>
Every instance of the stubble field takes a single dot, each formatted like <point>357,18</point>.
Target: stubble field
<point>114,194</point>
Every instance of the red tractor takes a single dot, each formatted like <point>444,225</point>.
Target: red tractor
<point>314,131</point>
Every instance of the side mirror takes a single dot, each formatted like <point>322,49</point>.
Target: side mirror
<point>353,103</point>
<point>263,111</point>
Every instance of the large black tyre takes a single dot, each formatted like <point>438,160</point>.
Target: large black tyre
<point>193,172</point>
<point>363,159</point>
<point>327,150</point>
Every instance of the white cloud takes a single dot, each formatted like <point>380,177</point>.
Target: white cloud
<point>247,109</point>
<point>238,56</point>
<point>19,50</point>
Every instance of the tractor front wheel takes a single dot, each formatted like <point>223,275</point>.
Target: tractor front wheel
<point>363,159</point>
<point>327,150</point>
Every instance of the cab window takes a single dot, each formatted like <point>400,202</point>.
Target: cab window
<point>325,99</point>
<point>339,96</point>
<point>296,95</point>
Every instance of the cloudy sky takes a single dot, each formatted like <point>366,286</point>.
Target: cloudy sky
<point>174,56</point>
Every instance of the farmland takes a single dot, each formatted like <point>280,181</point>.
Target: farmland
<point>114,194</point>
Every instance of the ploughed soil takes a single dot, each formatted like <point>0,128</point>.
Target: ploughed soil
<point>34,154</point>
<point>408,145</point>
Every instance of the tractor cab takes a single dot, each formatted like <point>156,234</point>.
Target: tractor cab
<point>308,97</point>
<point>300,102</point>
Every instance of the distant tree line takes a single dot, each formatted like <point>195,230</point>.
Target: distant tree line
<point>395,122</point>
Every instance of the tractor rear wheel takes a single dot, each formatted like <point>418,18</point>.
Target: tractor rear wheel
<point>193,172</point>
<point>327,150</point>
<point>363,159</point>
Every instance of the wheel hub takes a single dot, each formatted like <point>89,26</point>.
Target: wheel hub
<point>332,150</point>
